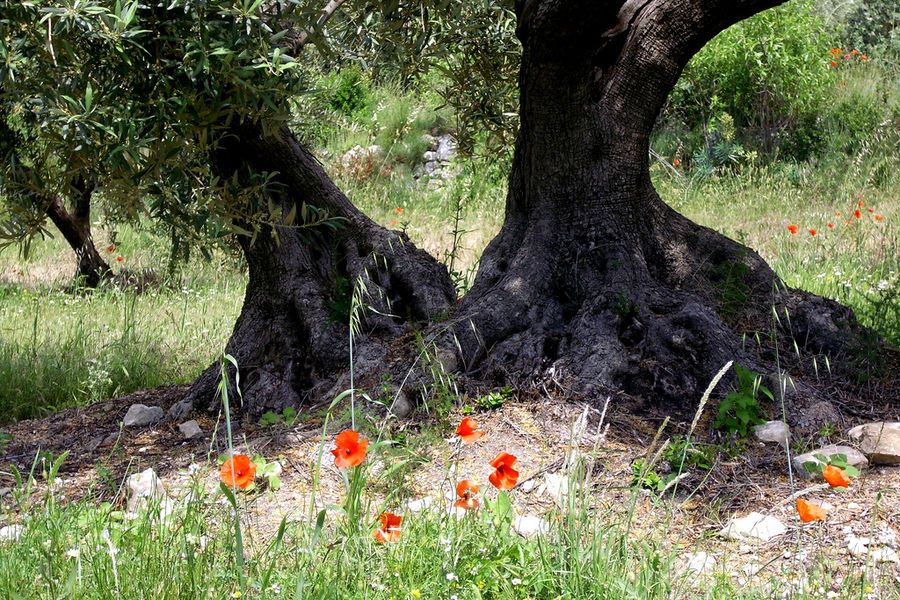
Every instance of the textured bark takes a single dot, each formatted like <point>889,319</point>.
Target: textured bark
<point>75,227</point>
<point>291,339</point>
<point>593,282</point>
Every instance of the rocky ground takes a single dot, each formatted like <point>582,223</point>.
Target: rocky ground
<point>737,519</point>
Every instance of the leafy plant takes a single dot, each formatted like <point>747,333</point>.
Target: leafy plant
<point>682,452</point>
<point>817,466</point>
<point>286,417</point>
<point>644,476</point>
<point>740,409</point>
<point>495,399</point>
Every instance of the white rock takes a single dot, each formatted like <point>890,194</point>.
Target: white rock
<point>885,555</point>
<point>854,506</point>
<point>190,429</point>
<point>11,533</point>
<point>420,504</point>
<point>754,525</point>
<point>880,442</point>
<point>775,432</point>
<point>700,562</point>
<point>401,407</point>
<point>446,147</point>
<point>529,525</point>
<point>139,415</point>
<point>854,458</point>
<point>528,486</point>
<point>557,487</point>
<point>275,469</point>
<point>144,488</point>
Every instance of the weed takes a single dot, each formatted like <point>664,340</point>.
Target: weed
<point>493,400</point>
<point>740,410</point>
<point>286,417</point>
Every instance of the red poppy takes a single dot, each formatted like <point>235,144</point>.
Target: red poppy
<point>809,511</point>
<point>119,258</point>
<point>506,476</point>
<point>833,64</point>
<point>390,528</point>
<point>857,214</point>
<point>241,468</point>
<point>466,490</point>
<point>837,214</point>
<point>350,450</point>
<point>393,222</point>
<point>871,210</point>
<point>831,226</point>
<point>847,222</point>
<point>110,248</point>
<point>793,228</point>
<point>863,57</point>
<point>854,52</point>
<point>398,210</point>
<point>836,477</point>
<point>836,50</point>
<point>467,431</point>
<point>812,232</point>
<point>879,218</point>
<point>860,203</point>
<point>676,162</point>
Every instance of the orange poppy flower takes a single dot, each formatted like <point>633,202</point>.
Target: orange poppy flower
<point>390,528</point>
<point>812,232</point>
<point>238,471</point>
<point>833,64</point>
<point>793,228</point>
<point>398,210</point>
<point>110,248</point>
<point>836,51</point>
<point>860,203</point>
<point>831,226</point>
<point>854,52</point>
<point>350,450</point>
<point>119,258</point>
<point>809,511</point>
<point>393,222</point>
<point>857,214</point>
<point>506,476</point>
<point>676,162</point>
<point>863,57</point>
<point>837,214</point>
<point>466,431</point>
<point>466,490</point>
<point>879,218</point>
<point>836,477</point>
<point>871,210</point>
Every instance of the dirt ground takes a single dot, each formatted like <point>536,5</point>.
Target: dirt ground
<point>543,434</point>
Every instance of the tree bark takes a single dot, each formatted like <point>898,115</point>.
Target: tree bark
<point>292,338</point>
<point>593,282</point>
<point>75,227</point>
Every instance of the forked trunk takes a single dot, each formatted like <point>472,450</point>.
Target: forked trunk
<point>75,227</point>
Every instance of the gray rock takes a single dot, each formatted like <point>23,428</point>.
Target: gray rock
<point>190,429</point>
<point>429,156</point>
<point>880,442</point>
<point>754,525</point>
<point>139,415</point>
<point>143,488</point>
<point>854,459</point>
<point>448,361</point>
<point>446,148</point>
<point>775,432</point>
<point>401,407</point>
<point>180,410</point>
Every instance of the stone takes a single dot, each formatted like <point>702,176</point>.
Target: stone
<point>775,432</point>
<point>854,458</point>
<point>401,407</point>
<point>143,488</point>
<point>11,533</point>
<point>420,504</point>
<point>530,525</point>
<point>190,429</point>
<point>880,442</point>
<point>139,415</point>
<point>557,487</point>
<point>884,555</point>
<point>448,361</point>
<point>700,562</point>
<point>180,410</point>
<point>446,147</point>
<point>754,525</point>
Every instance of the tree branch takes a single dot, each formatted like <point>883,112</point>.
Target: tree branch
<point>324,16</point>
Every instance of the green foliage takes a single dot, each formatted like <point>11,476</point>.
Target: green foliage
<point>495,399</point>
<point>645,477</point>
<point>823,460</point>
<point>740,410</point>
<point>682,453</point>
<point>351,92</point>
<point>874,24</point>
<point>287,417</point>
<point>768,73</point>
<point>733,291</point>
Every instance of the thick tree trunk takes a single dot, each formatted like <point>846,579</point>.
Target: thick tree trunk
<point>593,282</point>
<point>75,227</point>
<point>306,285</point>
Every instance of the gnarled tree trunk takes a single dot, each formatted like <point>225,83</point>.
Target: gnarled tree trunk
<point>75,227</point>
<point>592,282</point>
